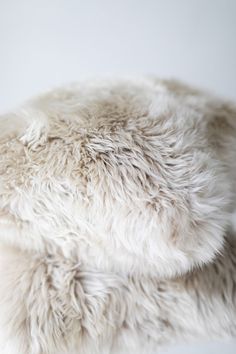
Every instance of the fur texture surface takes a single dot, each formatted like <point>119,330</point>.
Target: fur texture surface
<point>116,200</point>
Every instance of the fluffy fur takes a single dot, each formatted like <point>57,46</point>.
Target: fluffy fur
<point>116,201</point>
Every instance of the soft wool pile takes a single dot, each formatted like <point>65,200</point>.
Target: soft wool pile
<point>116,201</point>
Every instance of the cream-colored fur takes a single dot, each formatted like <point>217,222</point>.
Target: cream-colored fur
<point>116,200</point>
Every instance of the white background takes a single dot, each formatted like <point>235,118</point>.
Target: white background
<point>44,43</point>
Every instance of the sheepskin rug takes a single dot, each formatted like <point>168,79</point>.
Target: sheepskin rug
<point>116,201</point>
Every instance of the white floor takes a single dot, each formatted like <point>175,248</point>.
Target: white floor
<point>228,347</point>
